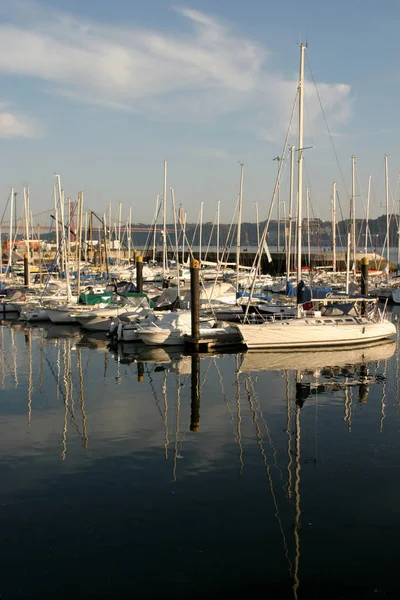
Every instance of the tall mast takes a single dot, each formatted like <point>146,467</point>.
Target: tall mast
<point>155,228</point>
<point>183,238</point>
<point>308,225</point>
<point>300,167</point>
<point>10,235</point>
<point>129,234</point>
<point>239,225</point>
<point>387,217</point>
<point>78,239</point>
<point>56,219</point>
<point>201,229</point>
<point>218,209</point>
<point>289,248</point>
<point>165,221</point>
<point>353,211</point>
<point>26,216</point>
<point>176,241</point>
<point>367,215</point>
<point>119,234</point>
<point>334,226</point>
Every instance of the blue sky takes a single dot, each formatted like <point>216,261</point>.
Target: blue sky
<point>102,92</point>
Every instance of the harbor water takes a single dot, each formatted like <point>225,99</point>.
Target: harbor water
<point>132,472</point>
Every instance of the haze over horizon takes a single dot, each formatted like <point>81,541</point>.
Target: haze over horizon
<point>103,93</point>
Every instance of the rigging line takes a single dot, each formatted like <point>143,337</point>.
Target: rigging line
<point>268,471</point>
<point>2,222</point>
<point>257,259</point>
<point>327,126</point>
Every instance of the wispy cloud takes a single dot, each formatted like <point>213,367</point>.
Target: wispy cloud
<point>16,125</point>
<point>201,71</point>
<point>213,153</point>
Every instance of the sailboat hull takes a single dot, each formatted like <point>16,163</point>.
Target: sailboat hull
<point>309,333</point>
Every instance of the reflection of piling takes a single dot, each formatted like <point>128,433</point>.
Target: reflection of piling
<point>363,389</point>
<point>195,394</point>
<point>364,281</point>
<point>139,274</point>
<point>195,300</point>
<point>140,372</point>
<point>26,269</point>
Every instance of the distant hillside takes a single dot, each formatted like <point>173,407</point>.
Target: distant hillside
<point>320,233</point>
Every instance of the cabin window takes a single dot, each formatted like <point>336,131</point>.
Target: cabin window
<point>349,320</point>
<point>328,321</point>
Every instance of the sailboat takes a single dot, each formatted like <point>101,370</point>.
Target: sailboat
<point>335,323</point>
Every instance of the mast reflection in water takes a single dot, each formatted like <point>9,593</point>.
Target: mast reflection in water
<point>133,471</point>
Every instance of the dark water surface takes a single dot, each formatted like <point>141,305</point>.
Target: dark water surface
<point>120,477</point>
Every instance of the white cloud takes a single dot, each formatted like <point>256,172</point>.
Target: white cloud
<point>15,125</point>
<point>198,73</point>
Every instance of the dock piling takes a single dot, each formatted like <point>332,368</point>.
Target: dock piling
<point>26,269</point>
<point>195,301</point>
<point>139,274</point>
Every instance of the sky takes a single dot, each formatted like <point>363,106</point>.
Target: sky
<point>103,92</point>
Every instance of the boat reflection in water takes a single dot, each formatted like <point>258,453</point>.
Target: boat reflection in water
<point>224,429</point>
<point>314,373</point>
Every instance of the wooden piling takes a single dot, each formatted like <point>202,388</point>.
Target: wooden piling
<point>195,300</point>
<point>139,274</point>
<point>26,269</point>
<point>364,276</point>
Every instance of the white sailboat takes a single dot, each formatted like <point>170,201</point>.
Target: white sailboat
<point>317,328</point>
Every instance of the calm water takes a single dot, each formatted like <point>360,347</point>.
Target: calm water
<point>123,478</point>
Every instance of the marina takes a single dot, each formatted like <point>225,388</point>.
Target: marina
<point>199,301</point>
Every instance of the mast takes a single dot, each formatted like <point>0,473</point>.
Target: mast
<point>56,220</point>
<point>367,215</point>
<point>78,241</point>
<point>119,234</point>
<point>291,185</point>
<point>10,234</point>
<point>200,229</point>
<point>387,217</point>
<point>218,210</point>
<point>129,234</point>
<point>257,224</point>
<point>334,226</point>
<point>239,225</point>
<point>155,228</point>
<point>353,211</point>
<point>308,225</point>
<point>165,221</point>
<point>176,242</point>
<point>183,238</point>
<point>300,167</point>
<point>26,216</point>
